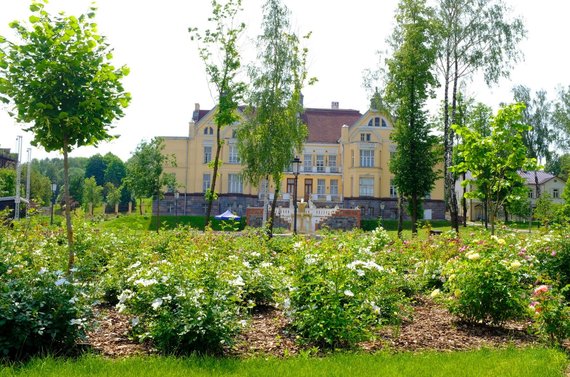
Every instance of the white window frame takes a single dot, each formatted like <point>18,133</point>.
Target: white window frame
<point>334,186</point>
<point>234,156</point>
<point>366,186</point>
<point>207,155</point>
<point>321,185</point>
<point>206,182</point>
<point>367,158</point>
<point>235,184</point>
<point>320,163</point>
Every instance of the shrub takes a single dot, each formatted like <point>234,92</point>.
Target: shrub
<point>189,299</point>
<point>553,259</point>
<point>40,312</point>
<point>551,313</point>
<point>339,295</point>
<point>488,283</point>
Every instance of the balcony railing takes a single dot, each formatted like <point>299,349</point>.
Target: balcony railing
<point>316,169</point>
<point>335,198</point>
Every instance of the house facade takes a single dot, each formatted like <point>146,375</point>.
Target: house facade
<point>547,183</point>
<point>345,163</point>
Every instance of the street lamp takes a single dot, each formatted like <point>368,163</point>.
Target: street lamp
<point>176,196</point>
<point>382,206</point>
<point>296,166</point>
<point>53,190</point>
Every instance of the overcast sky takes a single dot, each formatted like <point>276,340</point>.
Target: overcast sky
<point>167,77</point>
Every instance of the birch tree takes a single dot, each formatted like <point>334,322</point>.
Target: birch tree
<point>218,48</point>
<point>273,131</point>
<point>475,36</point>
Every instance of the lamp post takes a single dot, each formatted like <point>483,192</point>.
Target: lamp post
<point>53,191</point>
<point>296,165</point>
<point>176,196</point>
<point>382,206</point>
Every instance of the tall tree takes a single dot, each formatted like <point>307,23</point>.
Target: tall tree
<point>219,51</point>
<point>92,194</point>
<point>61,82</point>
<point>561,116</point>
<point>495,160</point>
<point>113,196</point>
<point>115,169</point>
<point>540,138</point>
<point>409,85</point>
<point>273,127</point>
<point>475,35</point>
<point>96,166</point>
<point>145,170</point>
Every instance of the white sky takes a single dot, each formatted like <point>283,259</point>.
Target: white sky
<point>167,77</point>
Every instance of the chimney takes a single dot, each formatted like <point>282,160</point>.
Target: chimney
<point>334,105</point>
<point>196,112</point>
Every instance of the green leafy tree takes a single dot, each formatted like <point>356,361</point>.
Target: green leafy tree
<point>409,85</point>
<point>40,185</point>
<point>59,78</point>
<point>92,194</point>
<point>76,180</point>
<point>219,51</point>
<point>561,116</point>
<point>7,182</point>
<point>540,139</point>
<point>145,170</point>
<point>115,169</point>
<point>273,128</point>
<point>474,35</point>
<point>96,166</point>
<point>544,209</point>
<point>113,196</point>
<point>494,160</point>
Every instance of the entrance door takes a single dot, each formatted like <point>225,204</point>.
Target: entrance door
<point>308,188</point>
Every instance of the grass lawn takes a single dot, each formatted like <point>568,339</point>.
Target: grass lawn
<point>509,362</point>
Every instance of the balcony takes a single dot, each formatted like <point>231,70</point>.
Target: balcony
<point>318,169</point>
<point>333,198</point>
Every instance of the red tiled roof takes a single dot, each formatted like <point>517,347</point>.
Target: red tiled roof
<point>325,124</point>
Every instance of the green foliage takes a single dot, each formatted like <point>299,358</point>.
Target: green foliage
<point>7,182</point>
<point>494,160</point>
<point>145,168</point>
<point>473,36</point>
<point>488,282</point>
<point>221,57</point>
<point>544,210</point>
<point>41,311</point>
<point>92,194</point>
<point>273,127</point>
<point>61,83</point>
<point>95,168</point>
<point>410,83</point>
<point>339,294</point>
<point>551,313</point>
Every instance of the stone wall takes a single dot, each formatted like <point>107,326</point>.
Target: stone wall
<point>254,218</point>
<point>343,219</point>
<point>370,208</point>
<point>195,204</point>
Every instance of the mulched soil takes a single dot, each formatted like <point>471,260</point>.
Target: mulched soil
<point>430,328</point>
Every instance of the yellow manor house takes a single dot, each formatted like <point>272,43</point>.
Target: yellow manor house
<point>345,163</point>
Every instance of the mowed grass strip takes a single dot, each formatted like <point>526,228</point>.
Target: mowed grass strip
<point>507,362</point>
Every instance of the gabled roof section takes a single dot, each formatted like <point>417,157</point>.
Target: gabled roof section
<point>325,124</point>
<point>543,177</point>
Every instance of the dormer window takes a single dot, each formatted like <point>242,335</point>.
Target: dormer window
<point>375,122</point>
<point>365,137</point>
